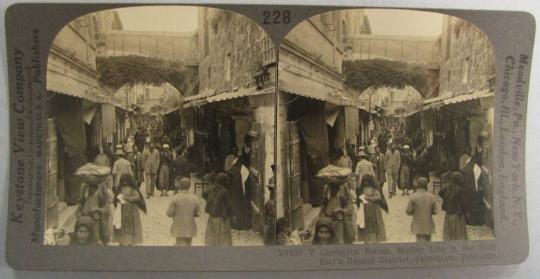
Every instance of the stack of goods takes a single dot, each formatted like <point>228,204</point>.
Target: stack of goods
<point>334,175</point>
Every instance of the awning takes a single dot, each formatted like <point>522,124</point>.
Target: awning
<point>207,99</point>
<point>442,101</point>
<point>318,91</point>
<point>66,85</point>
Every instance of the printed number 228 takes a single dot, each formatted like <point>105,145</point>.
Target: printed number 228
<point>277,17</point>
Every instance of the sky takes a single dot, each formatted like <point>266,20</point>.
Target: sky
<point>404,22</point>
<point>159,18</point>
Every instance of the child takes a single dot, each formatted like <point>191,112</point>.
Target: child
<point>183,209</point>
<point>324,232</point>
<point>454,203</point>
<point>83,232</point>
<point>218,207</point>
<point>422,206</point>
<point>343,226</point>
<point>131,200</point>
<point>95,204</point>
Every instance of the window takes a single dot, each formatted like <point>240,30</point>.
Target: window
<point>465,69</point>
<point>206,39</point>
<point>227,67</point>
<point>269,55</point>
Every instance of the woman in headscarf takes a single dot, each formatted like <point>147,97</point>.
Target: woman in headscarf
<point>83,234</point>
<point>405,181</point>
<point>95,203</point>
<point>455,206</point>
<point>131,201</point>
<point>371,199</point>
<point>218,207</point>
<point>324,232</point>
<point>164,177</point>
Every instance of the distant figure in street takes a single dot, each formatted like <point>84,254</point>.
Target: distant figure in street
<point>128,200</point>
<point>405,169</point>
<point>378,163</point>
<point>121,166</point>
<point>455,206</point>
<point>151,164</point>
<point>363,167</point>
<point>182,167</point>
<point>230,158</point>
<point>140,139</point>
<point>183,209</point>
<point>164,172</point>
<point>218,206</point>
<point>382,141</point>
<point>392,161</point>
<point>137,165</point>
<point>422,207</point>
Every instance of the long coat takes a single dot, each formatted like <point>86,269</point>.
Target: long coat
<point>240,199</point>
<point>392,161</point>
<point>421,207</point>
<point>183,209</point>
<point>151,161</point>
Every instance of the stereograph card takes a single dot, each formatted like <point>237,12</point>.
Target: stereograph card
<point>189,137</point>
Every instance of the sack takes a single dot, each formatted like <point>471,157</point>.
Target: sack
<point>361,217</point>
<point>117,216</point>
<point>93,174</point>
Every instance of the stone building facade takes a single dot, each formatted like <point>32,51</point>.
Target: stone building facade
<point>231,51</point>
<point>467,59</point>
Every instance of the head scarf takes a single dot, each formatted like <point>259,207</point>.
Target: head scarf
<point>325,222</point>
<point>128,180</point>
<point>87,222</point>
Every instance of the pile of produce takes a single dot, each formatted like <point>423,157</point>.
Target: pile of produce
<point>334,175</point>
<point>93,174</point>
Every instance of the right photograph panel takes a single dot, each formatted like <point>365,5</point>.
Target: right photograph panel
<point>385,126</point>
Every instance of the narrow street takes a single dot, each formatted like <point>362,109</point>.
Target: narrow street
<point>156,225</point>
<point>397,222</point>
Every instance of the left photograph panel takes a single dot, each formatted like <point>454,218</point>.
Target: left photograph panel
<point>161,129</point>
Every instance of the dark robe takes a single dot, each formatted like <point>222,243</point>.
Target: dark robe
<point>241,206</point>
<point>474,196</point>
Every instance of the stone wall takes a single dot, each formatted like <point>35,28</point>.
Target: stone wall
<point>467,58</point>
<point>231,51</point>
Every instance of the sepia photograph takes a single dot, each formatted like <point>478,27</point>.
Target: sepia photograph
<point>161,129</point>
<point>385,127</point>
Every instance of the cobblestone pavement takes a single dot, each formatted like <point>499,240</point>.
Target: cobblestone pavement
<point>156,226</point>
<point>397,222</point>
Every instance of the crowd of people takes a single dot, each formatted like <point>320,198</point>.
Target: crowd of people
<point>352,210</point>
<point>109,212</point>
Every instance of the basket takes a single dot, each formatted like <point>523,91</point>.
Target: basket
<point>334,175</point>
<point>93,174</point>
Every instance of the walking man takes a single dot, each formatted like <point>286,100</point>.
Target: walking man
<point>392,161</point>
<point>422,207</point>
<point>151,165</point>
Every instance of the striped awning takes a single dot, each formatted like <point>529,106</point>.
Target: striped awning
<point>318,91</point>
<point>444,101</point>
<point>200,100</point>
